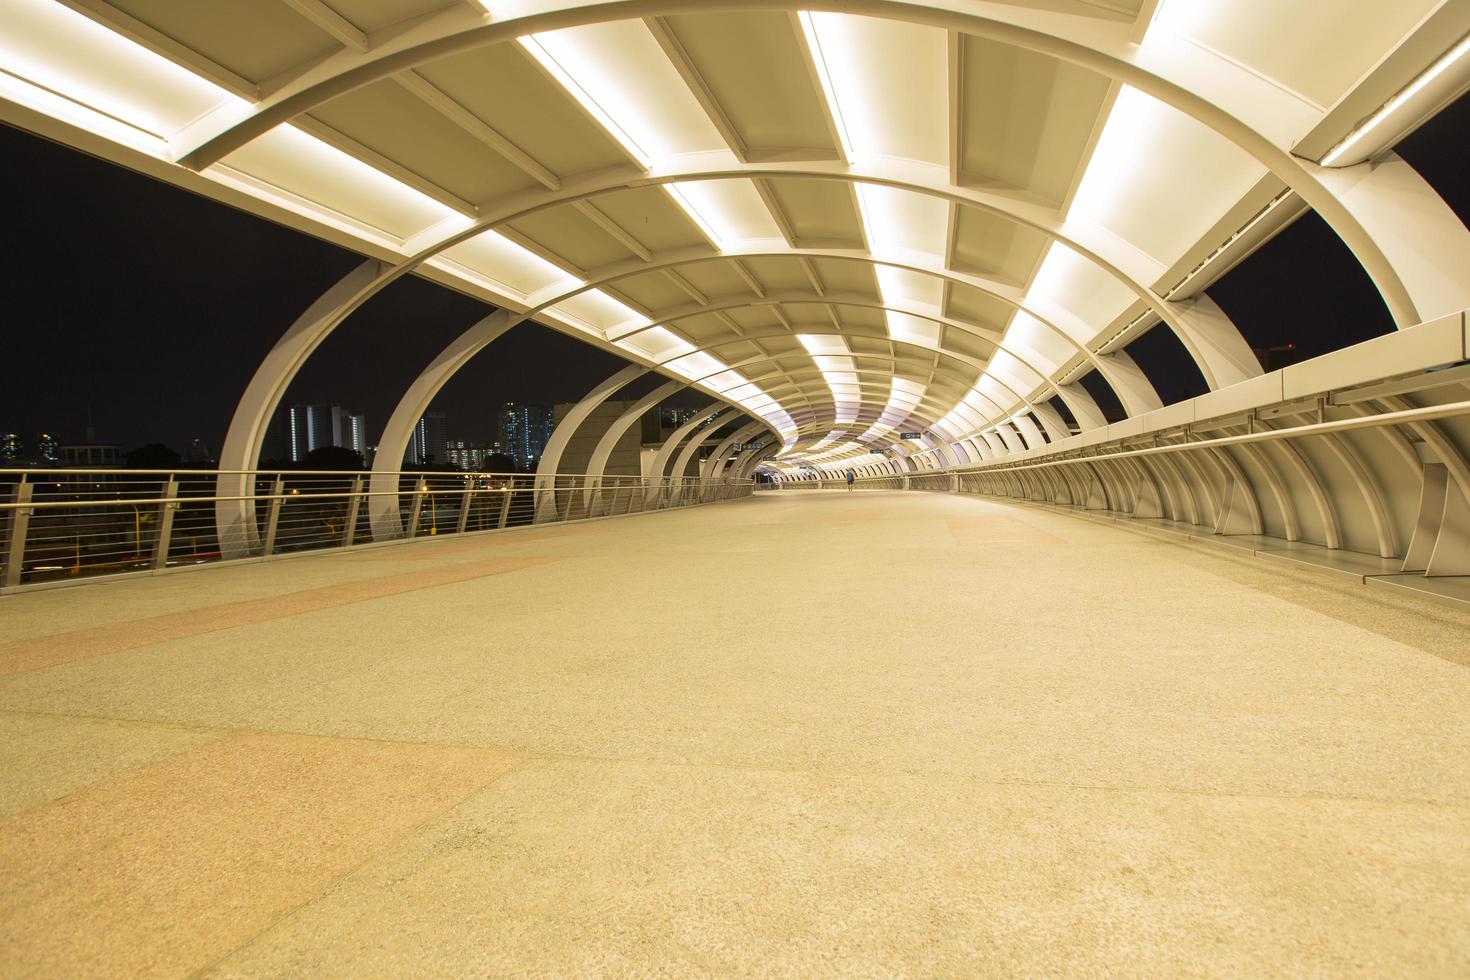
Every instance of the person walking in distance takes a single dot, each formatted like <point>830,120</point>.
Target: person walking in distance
<point>850,477</point>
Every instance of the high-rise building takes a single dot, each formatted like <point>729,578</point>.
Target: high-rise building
<point>197,452</point>
<point>524,431</point>
<point>430,442</point>
<point>48,447</point>
<point>470,455</point>
<point>11,447</point>
<point>311,427</point>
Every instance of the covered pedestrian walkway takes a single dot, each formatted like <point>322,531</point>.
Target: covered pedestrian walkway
<point>797,733</point>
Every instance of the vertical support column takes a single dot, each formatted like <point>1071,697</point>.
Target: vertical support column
<point>354,507</point>
<point>15,533</point>
<point>465,499</point>
<point>273,518</point>
<point>1235,514</point>
<point>416,505</point>
<point>166,511</point>
<point>1451,555</point>
<point>1441,541</point>
<point>506,495</point>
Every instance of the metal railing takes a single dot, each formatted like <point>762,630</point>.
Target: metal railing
<point>58,525</point>
<point>839,483</point>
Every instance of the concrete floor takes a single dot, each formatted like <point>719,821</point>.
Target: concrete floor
<point>808,733</point>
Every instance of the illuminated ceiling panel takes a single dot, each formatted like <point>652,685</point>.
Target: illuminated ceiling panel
<point>1149,160</point>
<point>892,81</point>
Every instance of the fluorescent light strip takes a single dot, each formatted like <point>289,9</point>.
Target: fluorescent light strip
<point>63,107</point>
<point>705,227</point>
<point>564,77</point>
<point>569,82</point>
<point>814,45</point>
<point>1392,105</point>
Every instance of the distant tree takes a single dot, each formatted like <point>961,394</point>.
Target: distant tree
<point>499,463</point>
<point>154,456</point>
<point>332,458</point>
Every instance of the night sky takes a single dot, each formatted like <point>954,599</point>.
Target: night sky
<point>154,306</point>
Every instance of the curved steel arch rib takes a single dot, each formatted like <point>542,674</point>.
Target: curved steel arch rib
<point>1133,389</point>
<point>715,465</point>
<point>1090,46</point>
<point>268,385</point>
<point>597,464</point>
<point>549,465</point>
<point>778,334</point>
<point>657,470</point>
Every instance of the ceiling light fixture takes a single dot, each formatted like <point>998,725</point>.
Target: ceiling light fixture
<point>1394,104</point>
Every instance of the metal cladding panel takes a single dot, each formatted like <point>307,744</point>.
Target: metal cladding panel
<point>1180,413</point>
<point>1125,428</point>
<point>1265,389</point>
<point>1429,344</point>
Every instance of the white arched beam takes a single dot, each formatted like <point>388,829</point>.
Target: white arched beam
<point>549,465</point>
<point>715,465</point>
<point>919,310</point>
<point>681,465</point>
<point>602,452</point>
<point>235,485</point>
<point>815,372</point>
<point>383,503</point>
<point>659,467</point>
<point>1240,107</point>
<point>276,372</point>
<point>1133,389</point>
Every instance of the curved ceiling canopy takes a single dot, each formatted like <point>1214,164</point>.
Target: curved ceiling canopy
<point>924,217</point>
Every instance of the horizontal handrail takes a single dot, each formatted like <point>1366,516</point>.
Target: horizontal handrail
<point>62,524</point>
<point>342,495</point>
<point>186,470</point>
<point>1406,416</point>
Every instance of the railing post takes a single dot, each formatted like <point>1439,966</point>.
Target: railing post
<point>464,505</point>
<point>416,505</point>
<point>354,506</point>
<point>15,533</point>
<point>507,494</point>
<point>166,511</point>
<point>273,518</point>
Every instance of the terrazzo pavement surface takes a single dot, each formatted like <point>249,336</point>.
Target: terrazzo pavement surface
<point>804,734</point>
